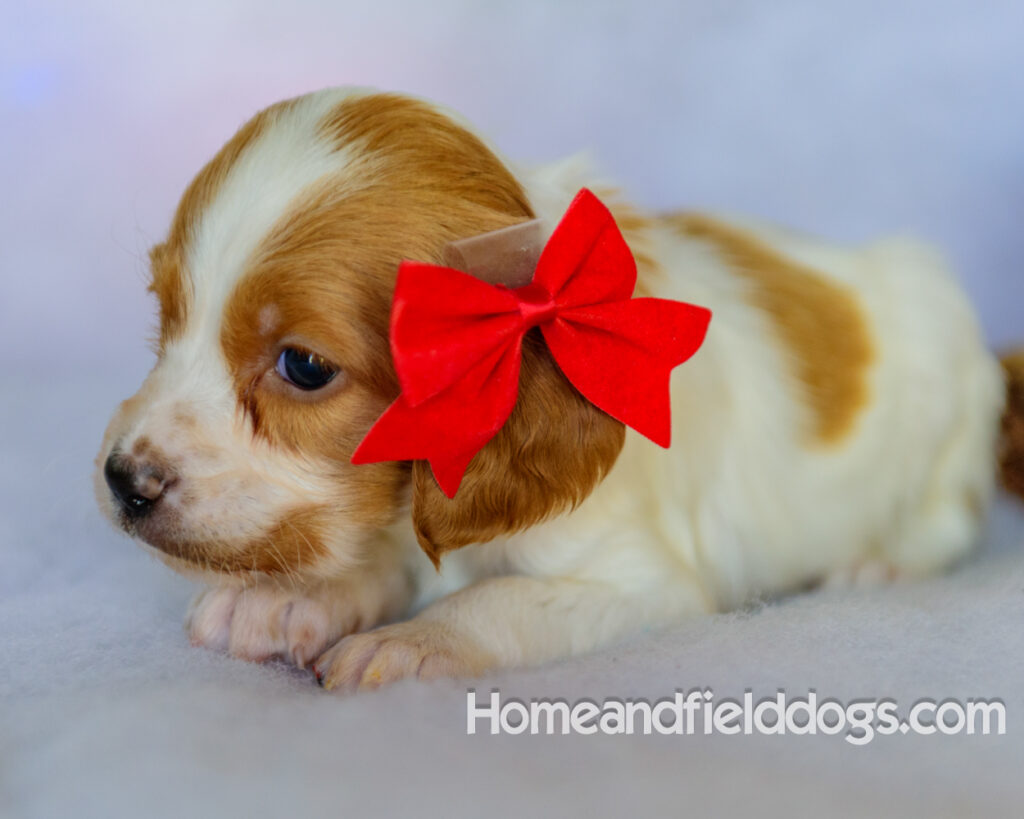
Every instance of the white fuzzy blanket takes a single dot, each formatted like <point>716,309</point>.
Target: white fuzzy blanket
<point>106,711</point>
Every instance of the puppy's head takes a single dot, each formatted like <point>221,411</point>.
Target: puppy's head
<point>274,286</point>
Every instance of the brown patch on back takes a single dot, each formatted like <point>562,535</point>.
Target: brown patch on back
<point>820,321</point>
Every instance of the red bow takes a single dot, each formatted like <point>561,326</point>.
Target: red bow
<point>457,343</point>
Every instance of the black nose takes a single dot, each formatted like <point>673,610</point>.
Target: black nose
<point>136,486</point>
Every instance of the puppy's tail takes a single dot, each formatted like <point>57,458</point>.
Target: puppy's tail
<point>1011,456</point>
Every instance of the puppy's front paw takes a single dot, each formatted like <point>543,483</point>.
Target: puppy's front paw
<point>265,621</point>
<point>422,649</point>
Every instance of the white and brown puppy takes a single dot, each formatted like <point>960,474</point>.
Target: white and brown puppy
<point>841,420</point>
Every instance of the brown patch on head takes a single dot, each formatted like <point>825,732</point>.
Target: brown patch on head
<point>547,458</point>
<point>820,321</point>
<point>326,272</point>
<point>324,308</point>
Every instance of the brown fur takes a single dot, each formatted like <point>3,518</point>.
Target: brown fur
<point>167,282</point>
<point>820,322</point>
<point>1011,459</point>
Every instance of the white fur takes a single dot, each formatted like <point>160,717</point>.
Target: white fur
<point>739,508</point>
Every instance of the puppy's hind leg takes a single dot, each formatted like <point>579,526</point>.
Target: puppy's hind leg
<point>947,523</point>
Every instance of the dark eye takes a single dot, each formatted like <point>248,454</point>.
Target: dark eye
<point>306,370</point>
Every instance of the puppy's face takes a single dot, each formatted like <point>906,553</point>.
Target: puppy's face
<point>274,286</point>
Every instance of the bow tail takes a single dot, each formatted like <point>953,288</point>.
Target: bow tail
<point>620,356</point>
<point>449,428</point>
<point>405,433</point>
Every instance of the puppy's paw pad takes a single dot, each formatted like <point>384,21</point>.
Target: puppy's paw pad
<point>404,650</point>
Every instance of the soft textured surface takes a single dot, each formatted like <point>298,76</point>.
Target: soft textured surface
<point>106,711</point>
<point>846,118</point>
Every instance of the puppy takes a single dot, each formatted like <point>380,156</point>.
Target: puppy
<point>839,424</point>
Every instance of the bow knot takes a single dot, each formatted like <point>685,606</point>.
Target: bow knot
<point>535,304</point>
<point>457,343</point>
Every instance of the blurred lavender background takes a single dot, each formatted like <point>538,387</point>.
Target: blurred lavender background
<point>847,118</point>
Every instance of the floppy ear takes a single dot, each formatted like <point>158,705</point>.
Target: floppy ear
<point>550,454</point>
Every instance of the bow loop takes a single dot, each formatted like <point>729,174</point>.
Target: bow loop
<point>443,322</point>
<point>457,344</point>
<point>586,260</point>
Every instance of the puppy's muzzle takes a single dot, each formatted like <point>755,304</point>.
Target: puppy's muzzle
<point>136,484</point>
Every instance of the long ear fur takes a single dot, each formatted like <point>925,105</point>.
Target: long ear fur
<point>553,450</point>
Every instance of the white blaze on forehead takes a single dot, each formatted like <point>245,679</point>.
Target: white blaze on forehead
<point>287,157</point>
